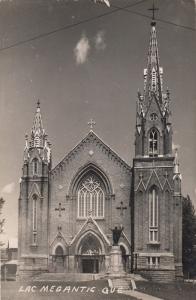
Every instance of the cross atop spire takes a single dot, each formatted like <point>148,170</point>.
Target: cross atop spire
<point>153,9</point>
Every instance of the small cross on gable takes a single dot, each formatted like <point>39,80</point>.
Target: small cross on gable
<point>121,208</point>
<point>90,212</point>
<point>59,209</point>
<point>91,123</point>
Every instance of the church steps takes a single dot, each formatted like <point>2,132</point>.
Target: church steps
<point>121,283</point>
<point>66,277</point>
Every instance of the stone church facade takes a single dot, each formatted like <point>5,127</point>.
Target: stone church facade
<point>66,213</point>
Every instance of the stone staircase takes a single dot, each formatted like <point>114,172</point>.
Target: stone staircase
<point>66,277</point>
<point>161,276</point>
<point>122,283</point>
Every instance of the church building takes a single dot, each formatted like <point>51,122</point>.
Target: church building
<point>67,212</point>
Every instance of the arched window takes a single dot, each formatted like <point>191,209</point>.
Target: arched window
<point>34,219</point>
<point>90,245</point>
<point>35,166</point>
<point>153,215</point>
<point>91,198</point>
<point>153,142</point>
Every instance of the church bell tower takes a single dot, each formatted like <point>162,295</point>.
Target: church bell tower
<point>157,196</point>
<point>33,201</point>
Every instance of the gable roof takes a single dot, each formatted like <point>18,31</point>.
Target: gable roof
<point>34,189</point>
<point>85,227</point>
<point>91,136</point>
<point>154,98</point>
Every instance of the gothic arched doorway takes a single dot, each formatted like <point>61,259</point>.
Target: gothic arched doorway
<point>90,256</point>
<point>59,259</point>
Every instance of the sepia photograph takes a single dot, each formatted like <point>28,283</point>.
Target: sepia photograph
<point>97,151</point>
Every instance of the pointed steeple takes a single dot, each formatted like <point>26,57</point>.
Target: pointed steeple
<point>37,132</point>
<point>153,78</point>
<point>153,74</point>
<point>38,139</point>
<point>153,124</point>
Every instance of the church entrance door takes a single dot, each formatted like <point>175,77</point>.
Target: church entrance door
<point>59,260</point>
<point>90,265</point>
<point>90,258</point>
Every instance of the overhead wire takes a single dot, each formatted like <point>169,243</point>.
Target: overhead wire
<point>66,27</point>
<point>70,26</point>
<point>157,19</point>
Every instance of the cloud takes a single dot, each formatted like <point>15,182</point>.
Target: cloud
<point>81,50</point>
<point>175,146</point>
<point>8,188</point>
<point>100,40</point>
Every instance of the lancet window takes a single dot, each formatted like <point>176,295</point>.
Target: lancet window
<point>91,198</point>
<point>153,215</point>
<point>34,223</point>
<point>35,166</point>
<point>153,142</point>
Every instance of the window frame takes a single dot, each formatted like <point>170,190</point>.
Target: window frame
<point>153,262</point>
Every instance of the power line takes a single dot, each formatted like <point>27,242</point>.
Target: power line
<point>157,19</point>
<point>70,26</point>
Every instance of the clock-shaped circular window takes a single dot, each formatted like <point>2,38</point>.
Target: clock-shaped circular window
<point>153,117</point>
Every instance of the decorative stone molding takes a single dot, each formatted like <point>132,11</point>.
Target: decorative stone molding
<point>92,138</point>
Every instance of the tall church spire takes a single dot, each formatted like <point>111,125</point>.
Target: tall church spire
<point>37,132</point>
<point>38,139</point>
<point>153,79</point>
<point>153,73</point>
<point>153,125</point>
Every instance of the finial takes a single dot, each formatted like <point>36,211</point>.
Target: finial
<point>26,140</point>
<point>153,9</point>
<point>168,93</point>
<point>176,162</point>
<point>176,153</point>
<point>91,123</point>
<point>139,95</point>
<point>38,103</point>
